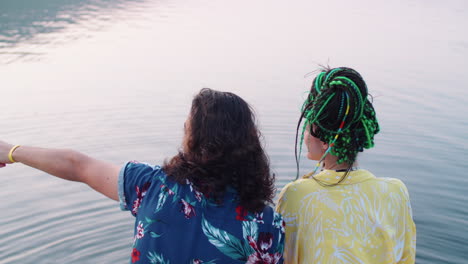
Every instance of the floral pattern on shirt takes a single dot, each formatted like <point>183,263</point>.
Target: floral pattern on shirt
<point>140,192</point>
<point>261,247</point>
<point>254,249</point>
<point>243,215</point>
<point>174,215</point>
<point>135,255</point>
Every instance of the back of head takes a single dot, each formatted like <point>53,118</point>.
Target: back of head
<point>338,112</point>
<point>222,149</point>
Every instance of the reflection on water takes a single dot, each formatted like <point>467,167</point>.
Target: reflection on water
<point>114,79</point>
<point>25,21</point>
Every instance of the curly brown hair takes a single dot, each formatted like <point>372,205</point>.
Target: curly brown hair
<point>222,149</point>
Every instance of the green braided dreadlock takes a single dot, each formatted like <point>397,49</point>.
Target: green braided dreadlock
<point>343,117</point>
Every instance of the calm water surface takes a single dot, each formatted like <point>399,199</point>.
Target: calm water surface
<point>115,78</point>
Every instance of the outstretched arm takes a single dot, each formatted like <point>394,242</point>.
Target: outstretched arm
<point>67,164</point>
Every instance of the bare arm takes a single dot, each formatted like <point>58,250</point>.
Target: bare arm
<point>67,164</point>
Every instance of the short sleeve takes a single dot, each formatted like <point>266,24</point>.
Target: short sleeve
<point>134,181</point>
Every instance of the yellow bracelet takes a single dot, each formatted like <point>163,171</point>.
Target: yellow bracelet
<point>10,155</point>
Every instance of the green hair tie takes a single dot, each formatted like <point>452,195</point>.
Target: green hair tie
<point>331,73</point>
<point>318,82</point>
<point>360,98</point>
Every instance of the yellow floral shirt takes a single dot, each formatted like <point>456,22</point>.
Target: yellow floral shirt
<point>364,219</point>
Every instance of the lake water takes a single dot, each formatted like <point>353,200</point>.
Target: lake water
<point>115,78</point>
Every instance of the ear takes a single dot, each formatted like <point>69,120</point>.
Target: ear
<point>324,145</point>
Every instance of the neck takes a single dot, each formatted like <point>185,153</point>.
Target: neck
<point>330,163</point>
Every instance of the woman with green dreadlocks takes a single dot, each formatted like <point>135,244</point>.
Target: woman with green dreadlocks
<point>343,214</point>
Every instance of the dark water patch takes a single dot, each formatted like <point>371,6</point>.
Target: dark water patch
<point>21,20</point>
<point>24,21</point>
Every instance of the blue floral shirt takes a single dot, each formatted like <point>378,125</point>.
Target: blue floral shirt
<point>177,224</point>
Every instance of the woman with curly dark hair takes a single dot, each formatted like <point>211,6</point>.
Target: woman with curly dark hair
<point>208,204</point>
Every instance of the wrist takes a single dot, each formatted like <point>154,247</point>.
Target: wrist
<point>10,153</point>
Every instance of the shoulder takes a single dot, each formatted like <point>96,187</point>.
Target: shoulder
<point>268,217</point>
<point>300,185</point>
<point>289,200</point>
<point>143,170</point>
<point>136,165</point>
<point>393,186</point>
<point>298,188</point>
<point>272,214</point>
<point>139,177</point>
<point>271,220</point>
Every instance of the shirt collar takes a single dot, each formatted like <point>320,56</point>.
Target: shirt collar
<point>332,177</point>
